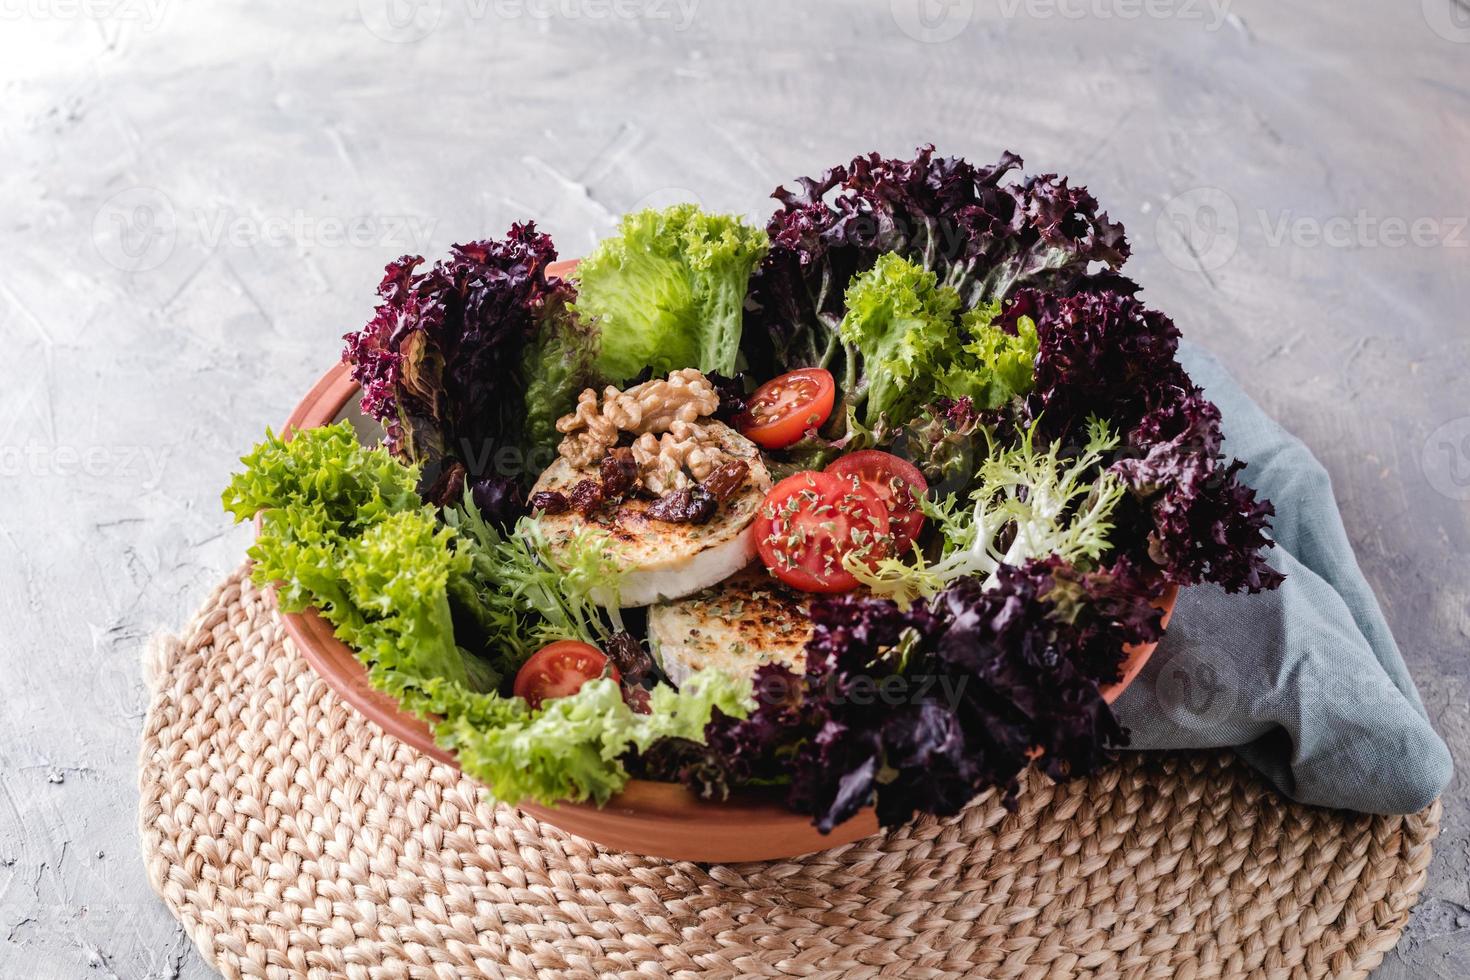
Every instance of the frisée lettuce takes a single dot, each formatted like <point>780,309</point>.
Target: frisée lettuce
<point>1030,502</point>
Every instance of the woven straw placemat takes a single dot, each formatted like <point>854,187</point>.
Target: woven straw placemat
<point>293,839</point>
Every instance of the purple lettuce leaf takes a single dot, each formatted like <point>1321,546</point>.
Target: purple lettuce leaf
<point>921,709</point>
<point>1191,515</point>
<point>1101,354</point>
<point>979,234</point>
<point>440,362</point>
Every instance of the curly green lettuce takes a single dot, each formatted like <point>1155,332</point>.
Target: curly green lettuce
<point>573,748</point>
<point>991,366</point>
<point>668,291</point>
<point>908,345</point>
<point>343,531</point>
<point>902,323</point>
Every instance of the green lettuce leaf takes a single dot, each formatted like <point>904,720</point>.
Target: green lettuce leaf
<point>343,531</point>
<point>901,321</point>
<point>557,363</point>
<point>668,291</point>
<point>398,573</point>
<point>525,593</point>
<point>571,749</point>
<point>907,347</point>
<point>991,366</point>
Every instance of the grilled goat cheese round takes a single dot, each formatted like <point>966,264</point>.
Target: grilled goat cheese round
<point>663,560</point>
<point>746,621</point>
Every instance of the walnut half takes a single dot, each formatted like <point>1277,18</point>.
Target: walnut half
<point>649,409</point>
<point>687,453</point>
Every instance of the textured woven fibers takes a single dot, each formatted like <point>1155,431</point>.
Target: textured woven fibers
<point>293,839</point>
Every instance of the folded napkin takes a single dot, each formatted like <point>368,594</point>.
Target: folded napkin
<point>1306,682</point>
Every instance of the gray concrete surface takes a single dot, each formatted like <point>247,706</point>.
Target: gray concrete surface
<point>196,200</point>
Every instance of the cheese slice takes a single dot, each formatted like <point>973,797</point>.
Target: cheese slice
<point>661,560</point>
<point>746,621</point>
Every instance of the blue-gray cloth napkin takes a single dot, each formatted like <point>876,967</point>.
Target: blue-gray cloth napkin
<point>1306,682</point>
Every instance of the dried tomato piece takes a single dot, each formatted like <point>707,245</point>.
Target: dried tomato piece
<point>726,479</point>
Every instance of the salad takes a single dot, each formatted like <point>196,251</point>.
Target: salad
<point>864,504</point>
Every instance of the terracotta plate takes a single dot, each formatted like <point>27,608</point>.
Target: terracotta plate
<point>654,819</point>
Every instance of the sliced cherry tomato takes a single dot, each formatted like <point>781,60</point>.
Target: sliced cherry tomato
<point>559,669</point>
<point>811,521</point>
<point>782,410</point>
<point>897,482</point>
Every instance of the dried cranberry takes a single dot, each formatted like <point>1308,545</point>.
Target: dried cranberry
<point>638,699</point>
<point>619,473</point>
<point>587,497</point>
<point>628,656</point>
<point>695,505</point>
<point>550,502</point>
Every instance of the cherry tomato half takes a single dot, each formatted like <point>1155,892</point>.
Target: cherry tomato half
<point>897,482</point>
<point>559,669</point>
<point>783,409</point>
<point>811,521</point>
